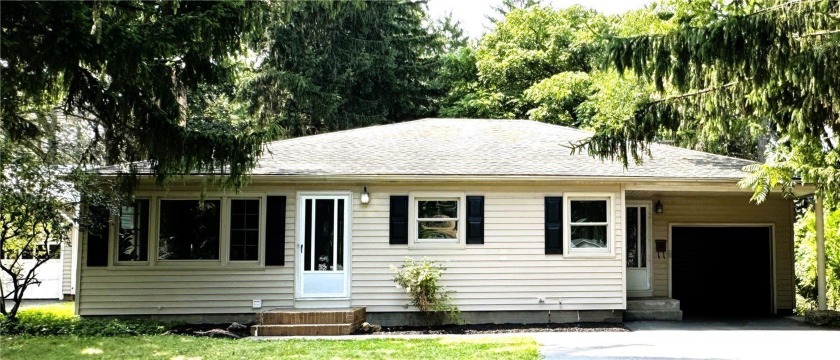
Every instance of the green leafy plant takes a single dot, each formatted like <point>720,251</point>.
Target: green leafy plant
<point>806,261</point>
<point>59,320</point>
<point>421,280</point>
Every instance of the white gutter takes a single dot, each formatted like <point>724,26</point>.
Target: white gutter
<point>632,183</point>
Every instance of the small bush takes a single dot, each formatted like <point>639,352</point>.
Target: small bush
<point>59,320</point>
<point>420,279</point>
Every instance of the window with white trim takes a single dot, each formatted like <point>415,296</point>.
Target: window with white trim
<point>223,230</point>
<point>588,225</point>
<point>437,220</point>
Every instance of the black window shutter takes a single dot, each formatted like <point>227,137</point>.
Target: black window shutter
<point>275,231</point>
<point>399,220</point>
<point>475,219</point>
<point>553,225</point>
<point>99,227</point>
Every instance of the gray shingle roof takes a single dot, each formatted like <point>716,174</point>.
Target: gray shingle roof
<point>474,147</point>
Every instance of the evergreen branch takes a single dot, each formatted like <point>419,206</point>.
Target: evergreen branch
<point>818,33</point>
<point>759,12</point>
<point>781,6</point>
<point>691,94</point>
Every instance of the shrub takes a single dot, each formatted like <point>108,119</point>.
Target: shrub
<point>59,320</point>
<point>806,261</point>
<point>420,279</point>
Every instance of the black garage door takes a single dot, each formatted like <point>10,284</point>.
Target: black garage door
<point>722,270</point>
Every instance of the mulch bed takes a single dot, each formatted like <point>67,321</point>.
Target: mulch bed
<point>211,330</point>
<point>502,328</point>
<point>223,330</point>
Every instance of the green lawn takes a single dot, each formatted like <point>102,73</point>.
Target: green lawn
<point>189,348</point>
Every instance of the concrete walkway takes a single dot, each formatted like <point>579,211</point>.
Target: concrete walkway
<point>738,339</point>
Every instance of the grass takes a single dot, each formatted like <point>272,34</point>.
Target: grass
<point>187,347</point>
<point>62,310</point>
<point>87,343</point>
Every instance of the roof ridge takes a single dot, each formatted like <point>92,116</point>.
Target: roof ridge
<point>347,130</point>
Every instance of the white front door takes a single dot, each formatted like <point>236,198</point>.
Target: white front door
<point>638,250</point>
<point>322,256</point>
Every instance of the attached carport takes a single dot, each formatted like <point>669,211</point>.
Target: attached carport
<point>722,269</point>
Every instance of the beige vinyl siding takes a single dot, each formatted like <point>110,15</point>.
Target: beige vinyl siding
<point>508,272</point>
<point>685,208</point>
<point>168,290</point>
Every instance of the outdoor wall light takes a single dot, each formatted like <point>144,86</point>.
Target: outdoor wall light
<point>658,207</point>
<point>365,198</point>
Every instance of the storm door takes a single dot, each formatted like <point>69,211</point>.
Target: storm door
<point>638,250</point>
<point>322,248</point>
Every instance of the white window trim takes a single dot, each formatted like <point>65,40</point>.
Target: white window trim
<point>414,242</point>
<point>260,231</point>
<point>223,262</point>
<point>114,232</point>
<point>571,252</point>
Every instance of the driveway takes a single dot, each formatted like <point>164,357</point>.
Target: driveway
<point>776,338</point>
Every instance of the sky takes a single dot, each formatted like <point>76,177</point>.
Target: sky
<point>472,13</point>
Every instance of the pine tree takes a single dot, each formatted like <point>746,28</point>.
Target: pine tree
<point>771,65</point>
<point>139,72</point>
<point>340,65</point>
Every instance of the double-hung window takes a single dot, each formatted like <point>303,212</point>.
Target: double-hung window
<point>437,220</point>
<point>588,229</point>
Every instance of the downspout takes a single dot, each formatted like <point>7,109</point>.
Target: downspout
<point>821,300</point>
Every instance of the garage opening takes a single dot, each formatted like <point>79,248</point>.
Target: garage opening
<point>722,270</point>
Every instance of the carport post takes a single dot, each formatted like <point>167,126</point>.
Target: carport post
<point>821,302</point>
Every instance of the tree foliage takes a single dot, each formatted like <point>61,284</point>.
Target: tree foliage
<point>501,11</point>
<point>806,260</point>
<point>340,65</point>
<point>755,65</point>
<point>129,67</point>
<point>532,45</point>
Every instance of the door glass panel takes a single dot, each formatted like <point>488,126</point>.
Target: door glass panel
<point>339,257</point>
<point>643,237</point>
<point>632,237</point>
<point>324,234</point>
<point>307,242</point>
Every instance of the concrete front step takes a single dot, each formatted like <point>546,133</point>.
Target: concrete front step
<point>303,329</point>
<point>653,309</point>
<point>668,315</point>
<point>653,304</point>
